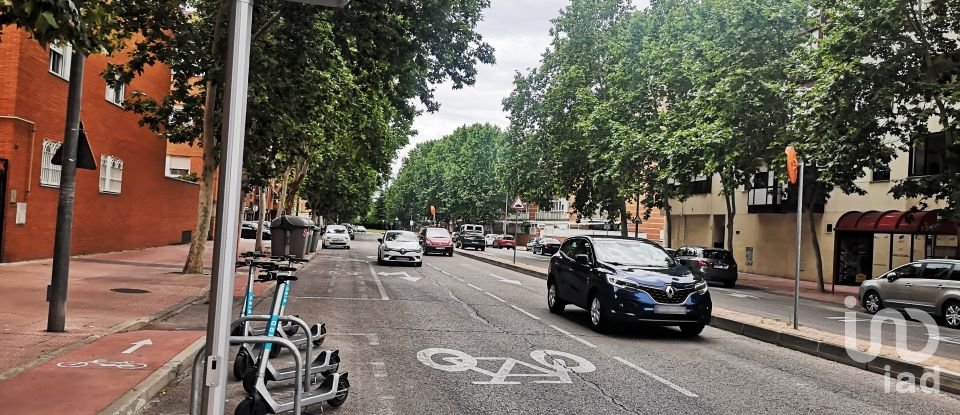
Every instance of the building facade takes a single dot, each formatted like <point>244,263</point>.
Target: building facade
<point>860,237</point>
<point>559,220</point>
<point>127,202</point>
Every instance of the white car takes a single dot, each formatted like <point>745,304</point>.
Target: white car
<point>489,238</point>
<point>336,236</point>
<point>361,229</point>
<point>400,246</point>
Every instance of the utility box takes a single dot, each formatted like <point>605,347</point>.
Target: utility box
<point>290,235</point>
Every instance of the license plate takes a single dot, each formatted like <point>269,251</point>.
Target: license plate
<point>670,309</point>
<point>721,266</point>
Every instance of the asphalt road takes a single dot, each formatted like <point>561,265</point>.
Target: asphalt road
<point>458,336</point>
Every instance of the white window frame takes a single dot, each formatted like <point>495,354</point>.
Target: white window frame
<point>171,166</point>
<point>111,174</point>
<point>63,69</point>
<point>49,172</point>
<point>111,95</point>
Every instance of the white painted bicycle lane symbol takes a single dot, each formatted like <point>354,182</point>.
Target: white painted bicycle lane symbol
<point>551,366</point>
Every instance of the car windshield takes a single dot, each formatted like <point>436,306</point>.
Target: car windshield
<point>336,229</point>
<point>635,253</point>
<point>400,237</point>
<point>437,233</point>
<point>508,237</point>
<point>717,254</point>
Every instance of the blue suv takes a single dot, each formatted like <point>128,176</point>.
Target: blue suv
<point>627,279</point>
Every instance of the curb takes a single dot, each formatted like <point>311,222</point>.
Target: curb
<point>137,398</point>
<point>948,381</point>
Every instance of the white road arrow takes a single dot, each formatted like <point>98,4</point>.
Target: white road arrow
<point>514,282</point>
<point>403,275</point>
<point>137,345</point>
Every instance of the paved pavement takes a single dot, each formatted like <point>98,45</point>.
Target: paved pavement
<point>458,336</point>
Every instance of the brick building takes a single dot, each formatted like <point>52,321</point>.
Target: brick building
<point>128,202</point>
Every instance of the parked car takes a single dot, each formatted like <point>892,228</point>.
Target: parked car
<point>350,230</point>
<point>248,230</point>
<point>360,229</point>
<point>336,235</point>
<point>489,238</point>
<point>671,251</point>
<point>546,246</point>
<point>505,241</point>
<point>400,246</point>
<point>436,240</point>
<point>931,285</point>
<point>471,240</point>
<point>533,242</point>
<point>713,264</point>
<point>633,280</point>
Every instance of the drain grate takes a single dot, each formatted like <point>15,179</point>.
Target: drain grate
<point>129,290</point>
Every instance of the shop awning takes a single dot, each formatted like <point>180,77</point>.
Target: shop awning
<point>895,221</point>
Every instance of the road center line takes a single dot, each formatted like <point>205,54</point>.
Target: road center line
<point>497,298</point>
<point>383,293</point>
<point>475,287</point>
<point>524,312</point>
<point>572,336</point>
<point>657,378</point>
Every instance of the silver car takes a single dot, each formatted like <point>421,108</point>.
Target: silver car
<point>400,246</point>
<point>931,285</point>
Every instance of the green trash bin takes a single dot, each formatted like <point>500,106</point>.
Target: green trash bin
<point>290,235</point>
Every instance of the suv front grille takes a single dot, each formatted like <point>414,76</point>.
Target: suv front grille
<point>660,296</point>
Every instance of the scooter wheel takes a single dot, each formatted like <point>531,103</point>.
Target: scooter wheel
<point>275,349</point>
<point>341,397</point>
<point>250,381</point>
<point>237,331</point>
<point>251,406</point>
<point>241,363</point>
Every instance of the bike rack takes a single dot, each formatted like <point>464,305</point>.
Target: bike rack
<point>200,361</point>
<point>295,350</point>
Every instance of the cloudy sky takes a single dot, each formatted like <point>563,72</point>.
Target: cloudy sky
<point>518,30</point>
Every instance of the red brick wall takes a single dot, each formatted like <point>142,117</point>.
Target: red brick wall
<point>151,210</point>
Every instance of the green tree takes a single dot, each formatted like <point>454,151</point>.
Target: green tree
<point>88,26</point>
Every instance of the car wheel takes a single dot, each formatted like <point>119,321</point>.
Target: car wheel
<point>730,284</point>
<point>483,248</point>
<point>450,253</point>
<point>598,314</point>
<point>872,302</point>
<point>554,303</point>
<point>691,330</point>
<point>380,261</point>
<point>951,314</point>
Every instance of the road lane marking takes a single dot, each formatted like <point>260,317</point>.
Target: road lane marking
<point>379,369</point>
<point>497,298</point>
<point>383,293</point>
<point>514,282</point>
<point>657,378</point>
<point>572,336</point>
<point>524,312</point>
<point>475,287</point>
<point>844,319</point>
<point>340,298</point>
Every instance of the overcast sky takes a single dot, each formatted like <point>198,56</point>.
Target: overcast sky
<point>519,31</point>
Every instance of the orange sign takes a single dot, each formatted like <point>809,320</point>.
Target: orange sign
<point>793,165</point>
<point>433,210</point>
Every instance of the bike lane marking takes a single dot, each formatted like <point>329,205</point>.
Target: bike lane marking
<point>654,376</point>
<point>90,378</point>
<point>496,298</point>
<point>525,312</point>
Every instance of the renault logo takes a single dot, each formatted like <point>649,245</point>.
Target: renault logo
<point>671,291</point>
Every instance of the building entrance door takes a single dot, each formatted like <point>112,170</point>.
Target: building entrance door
<point>719,231</point>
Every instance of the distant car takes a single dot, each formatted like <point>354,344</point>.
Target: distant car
<point>489,238</point>
<point>671,251</point>
<point>336,236</point>
<point>436,240</point>
<point>627,279</point>
<point>546,246</point>
<point>505,241</point>
<point>360,229</point>
<point>713,264</point>
<point>400,246</point>
<point>471,240</point>
<point>248,230</point>
<point>931,285</point>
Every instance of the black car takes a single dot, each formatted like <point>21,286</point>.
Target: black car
<point>712,264</point>
<point>471,240</point>
<point>625,279</point>
<point>248,230</point>
<point>546,246</point>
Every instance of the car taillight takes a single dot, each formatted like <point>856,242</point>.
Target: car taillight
<point>701,263</point>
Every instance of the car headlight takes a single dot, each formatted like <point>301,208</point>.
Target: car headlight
<point>418,250</point>
<point>622,282</point>
<point>701,287</point>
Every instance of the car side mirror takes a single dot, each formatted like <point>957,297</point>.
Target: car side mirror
<point>582,259</point>
<point>891,276</point>
<point>380,240</point>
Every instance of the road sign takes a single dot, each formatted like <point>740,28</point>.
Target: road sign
<point>433,210</point>
<point>517,204</point>
<point>793,164</point>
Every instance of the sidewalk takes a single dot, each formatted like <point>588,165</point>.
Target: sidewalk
<point>785,286</point>
<point>107,293</point>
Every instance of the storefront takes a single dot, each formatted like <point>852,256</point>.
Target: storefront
<point>871,243</point>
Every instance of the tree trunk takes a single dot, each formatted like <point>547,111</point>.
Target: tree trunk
<point>814,238</point>
<point>282,209</point>
<point>294,188</point>
<point>194,262</point>
<point>261,215</point>
<point>624,222</point>
<point>731,214</point>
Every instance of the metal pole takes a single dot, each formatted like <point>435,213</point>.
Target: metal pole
<point>516,233</point>
<point>224,246</point>
<point>57,290</point>
<point>796,286</point>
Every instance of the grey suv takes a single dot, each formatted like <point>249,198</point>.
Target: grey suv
<point>931,285</point>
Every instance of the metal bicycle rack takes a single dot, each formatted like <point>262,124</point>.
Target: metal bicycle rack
<point>328,356</point>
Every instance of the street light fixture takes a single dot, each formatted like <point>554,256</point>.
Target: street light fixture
<point>216,353</point>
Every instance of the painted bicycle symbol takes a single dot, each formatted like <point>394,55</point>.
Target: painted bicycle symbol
<point>553,366</point>
<point>123,364</point>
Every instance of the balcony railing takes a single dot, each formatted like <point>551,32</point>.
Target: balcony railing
<point>553,216</point>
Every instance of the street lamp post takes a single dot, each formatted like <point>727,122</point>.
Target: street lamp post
<point>220,314</point>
